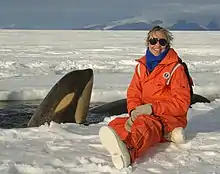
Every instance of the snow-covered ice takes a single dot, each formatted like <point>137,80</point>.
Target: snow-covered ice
<point>31,62</point>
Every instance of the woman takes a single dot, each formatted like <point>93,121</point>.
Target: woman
<point>158,99</point>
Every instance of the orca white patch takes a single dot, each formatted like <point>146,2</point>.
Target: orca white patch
<point>166,75</point>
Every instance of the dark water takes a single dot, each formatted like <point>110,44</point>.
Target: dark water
<point>16,114</point>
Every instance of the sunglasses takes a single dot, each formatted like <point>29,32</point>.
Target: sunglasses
<point>153,41</point>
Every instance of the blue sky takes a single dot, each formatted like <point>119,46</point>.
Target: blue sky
<point>78,13</point>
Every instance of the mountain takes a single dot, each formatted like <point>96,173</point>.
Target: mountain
<point>213,25</point>
<point>137,24</point>
<point>75,14</point>
<point>132,26</point>
<point>184,25</point>
<point>126,24</point>
<point>93,27</point>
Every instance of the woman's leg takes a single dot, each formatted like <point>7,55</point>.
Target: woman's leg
<point>112,137</point>
<point>146,131</point>
<point>126,147</point>
<point>118,124</point>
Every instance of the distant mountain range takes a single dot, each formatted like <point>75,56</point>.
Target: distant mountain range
<point>109,15</point>
<point>141,25</point>
<point>137,24</point>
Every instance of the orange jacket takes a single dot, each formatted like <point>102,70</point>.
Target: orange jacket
<point>169,101</point>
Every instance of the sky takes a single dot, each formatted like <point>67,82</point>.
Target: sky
<point>68,14</point>
<point>31,62</point>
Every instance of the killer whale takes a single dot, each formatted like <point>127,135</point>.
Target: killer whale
<point>120,106</point>
<point>67,101</point>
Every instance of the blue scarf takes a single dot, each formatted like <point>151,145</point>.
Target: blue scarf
<point>152,61</point>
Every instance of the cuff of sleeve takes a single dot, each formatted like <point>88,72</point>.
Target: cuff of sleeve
<point>131,111</point>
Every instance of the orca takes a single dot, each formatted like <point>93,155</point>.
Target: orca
<point>120,106</point>
<point>67,101</point>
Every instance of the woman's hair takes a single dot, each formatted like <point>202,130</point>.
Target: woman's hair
<point>167,33</point>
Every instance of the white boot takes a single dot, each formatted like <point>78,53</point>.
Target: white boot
<point>115,146</point>
<point>177,136</point>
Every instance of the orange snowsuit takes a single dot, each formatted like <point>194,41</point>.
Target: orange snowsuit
<point>170,104</point>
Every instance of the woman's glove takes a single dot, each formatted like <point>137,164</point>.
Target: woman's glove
<point>139,110</point>
<point>144,109</point>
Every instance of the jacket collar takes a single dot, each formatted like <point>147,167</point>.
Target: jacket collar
<point>171,57</point>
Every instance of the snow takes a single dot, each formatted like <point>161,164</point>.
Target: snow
<point>31,62</point>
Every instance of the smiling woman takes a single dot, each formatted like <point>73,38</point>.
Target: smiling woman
<point>158,40</point>
<point>158,99</point>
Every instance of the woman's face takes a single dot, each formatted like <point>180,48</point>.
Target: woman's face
<point>157,43</point>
